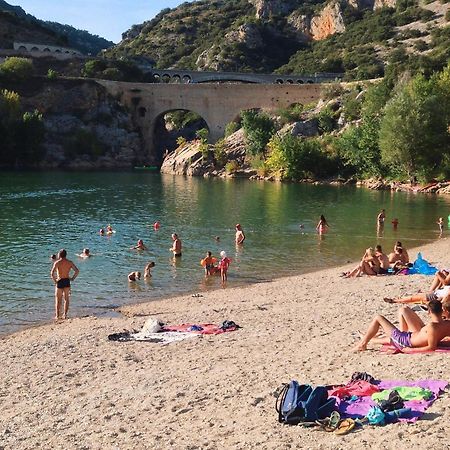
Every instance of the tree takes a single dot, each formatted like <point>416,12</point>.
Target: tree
<point>258,128</point>
<point>414,134</point>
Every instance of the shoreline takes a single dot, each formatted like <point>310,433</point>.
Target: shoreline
<point>74,388</point>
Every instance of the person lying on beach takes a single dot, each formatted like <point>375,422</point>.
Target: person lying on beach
<point>409,320</point>
<point>139,246</point>
<point>425,339</point>
<point>86,253</point>
<point>147,269</point>
<point>134,276</point>
<point>369,265</point>
<point>440,288</point>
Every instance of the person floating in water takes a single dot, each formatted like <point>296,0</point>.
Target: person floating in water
<point>440,223</point>
<point>60,274</point>
<point>101,232</point>
<point>139,246</point>
<point>86,253</point>
<point>224,264</point>
<point>240,236</point>
<point>176,246</point>
<point>134,276</point>
<point>148,268</point>
<point>109,230</point>
<point>156,226</point>
<point>322,225</point>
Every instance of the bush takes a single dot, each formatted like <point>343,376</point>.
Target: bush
<point>111,73</point>
<point>231,128</point>
<point>258,128</point>
<point>220,154</point>
<point>52,74</point>
<point>231,166</point>
<point>17,69</point>
<point>291,114</point>
<point>327,120</point>
<point>83,142</point>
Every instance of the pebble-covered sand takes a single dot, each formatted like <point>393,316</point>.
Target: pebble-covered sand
<point>65,386</point>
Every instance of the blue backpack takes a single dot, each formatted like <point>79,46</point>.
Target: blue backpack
<point>303,403</point>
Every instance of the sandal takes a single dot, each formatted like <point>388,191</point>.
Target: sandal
<point>330,423</point>
<point>345,426</point>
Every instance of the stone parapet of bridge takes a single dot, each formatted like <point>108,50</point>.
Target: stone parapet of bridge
<point>188,76</point>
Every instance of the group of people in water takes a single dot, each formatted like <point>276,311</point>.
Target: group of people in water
<point>62,268</point>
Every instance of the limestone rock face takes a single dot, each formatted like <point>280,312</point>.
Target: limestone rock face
<point>300,25</point>
<point>330,21</point>
<point>382,3</point>
<point>307,128</point>
<point>266,8</point>
<point>247,34</point>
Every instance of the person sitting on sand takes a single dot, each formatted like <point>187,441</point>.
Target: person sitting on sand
<point>147,269</point>
<point>134,276</point>
<point>139,246</point>
<point>86,253</point>
<point>440,288</point>
<point>383,260</point>
<point>399,254</point>
<point>369,265</point>
<point>425,339</point>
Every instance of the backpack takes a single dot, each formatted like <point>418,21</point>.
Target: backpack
<point>303,403</point>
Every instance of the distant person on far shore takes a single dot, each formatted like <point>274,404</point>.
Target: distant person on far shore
<point>440,223</point>
<point>394,224</point>
<point>224,264</point>
<point>148,269</point>
<point>176,246</point>
<point>134,276</point>
<point>240,236</point>
<point>86,253</point>
<point>60,274</point>
<point>139,246</point>
<point>322,226</point>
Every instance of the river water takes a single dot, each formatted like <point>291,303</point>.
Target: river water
<point>43,212</point>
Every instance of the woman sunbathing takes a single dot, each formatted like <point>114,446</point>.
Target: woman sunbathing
<point>369,265</point>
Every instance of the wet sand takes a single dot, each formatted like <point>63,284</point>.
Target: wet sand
<point>66,386</point>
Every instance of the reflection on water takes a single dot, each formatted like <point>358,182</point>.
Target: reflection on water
<point>43,212</point>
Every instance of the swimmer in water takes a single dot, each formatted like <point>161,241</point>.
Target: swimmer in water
<point>148,268</point>
<point>101,232</point>
<point>156,225</point>
<point>134,276</point>
<point>322,225</point>
<point>395,223</point>
<point>139,246</point>
<point>109,229</point>
<point>86,253</point>
<point>53,257</point>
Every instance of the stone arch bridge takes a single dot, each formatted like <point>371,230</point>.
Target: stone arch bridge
<point>217,104</point>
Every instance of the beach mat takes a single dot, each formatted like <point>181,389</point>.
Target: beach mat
<point>162,338</point>
<point>359,408</point>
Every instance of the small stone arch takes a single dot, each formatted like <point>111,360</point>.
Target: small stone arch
<point>34,49</point>
<point>22,48</point>
<point>289,81</point>
<point>46,49</point>
<point>156,78</point>
<point>176,79</point>
<point>165,78</point>
<point>310,81</point>
<point>57,50</point>
<point>279,81</point>
<point>165,135</point>
<point>300,82</point>
<point>186,79</point>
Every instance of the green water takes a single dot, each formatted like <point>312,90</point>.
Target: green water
<point>43,212</point>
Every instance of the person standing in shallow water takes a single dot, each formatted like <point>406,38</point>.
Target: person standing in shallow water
<point>60,275</point>
<point>322,226</point>
<point>240,236</point>
<point>176,246</point>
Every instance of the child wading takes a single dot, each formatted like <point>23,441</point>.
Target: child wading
<point>223,265</point>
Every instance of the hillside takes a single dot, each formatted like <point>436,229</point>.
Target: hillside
<point>18,26</point>
<point>358,37</point>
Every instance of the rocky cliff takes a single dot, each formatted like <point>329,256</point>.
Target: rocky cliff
<point>86,129</point>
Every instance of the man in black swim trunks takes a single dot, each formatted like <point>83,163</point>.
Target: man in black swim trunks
<point>176,246</point>
<point>60,275</point>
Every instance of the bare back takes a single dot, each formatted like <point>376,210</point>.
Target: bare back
<point>62,269</point>
<point>431,334</point>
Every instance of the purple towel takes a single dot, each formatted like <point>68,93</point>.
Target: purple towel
<point>359,408</point>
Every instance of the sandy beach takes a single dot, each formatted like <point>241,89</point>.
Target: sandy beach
<point>65,386</point>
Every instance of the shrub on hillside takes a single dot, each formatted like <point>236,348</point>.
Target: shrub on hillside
<point>258,128</point>
<point>16,69</point>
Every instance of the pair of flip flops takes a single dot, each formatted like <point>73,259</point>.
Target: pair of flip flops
<point>336,425</point>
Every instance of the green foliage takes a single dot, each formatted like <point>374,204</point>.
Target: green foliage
<point>181,119</point>
<point>22,134</point>
<point>414,133</point>
<point>83,142</point>
<point>219,152</point>
<point>291,114</point>
<point>294,158</point>
<point>231,166</point>
<point>52,74</point>
<point>181,141</point>
<point>231,128</point>
<point>16,69</point>
<point>117,70</point>
<point>327,120</point>
<point>258,128</point>
<point>202,134</point>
